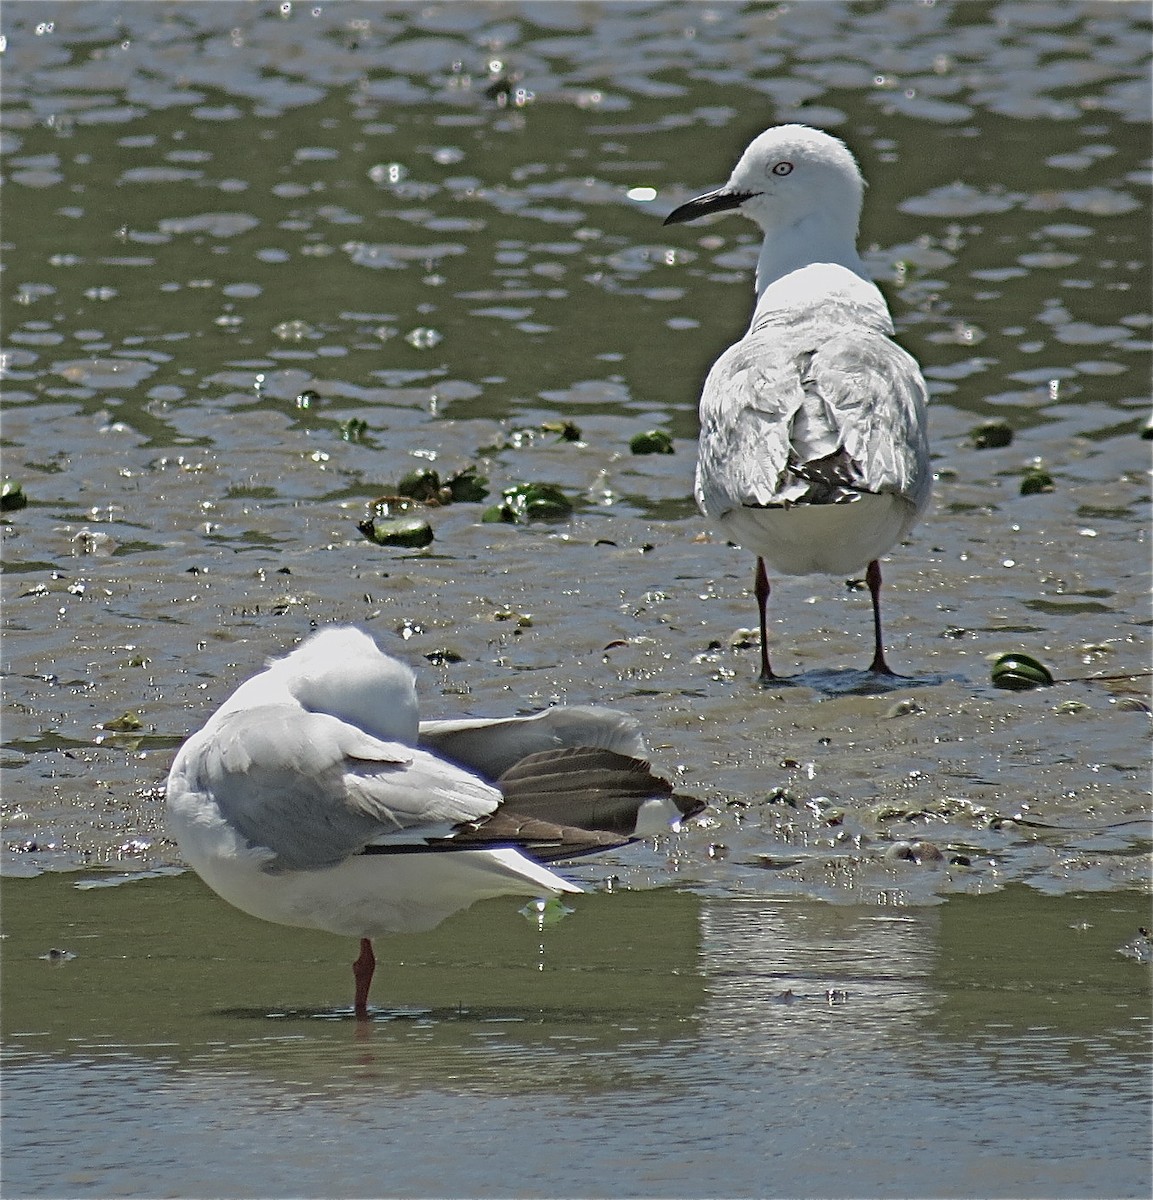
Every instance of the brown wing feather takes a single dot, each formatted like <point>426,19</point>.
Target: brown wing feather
<point>582,786</point>
<point>542,840</point>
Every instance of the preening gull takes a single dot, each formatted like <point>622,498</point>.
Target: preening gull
<point>813,446</point>
<point>316,797</point>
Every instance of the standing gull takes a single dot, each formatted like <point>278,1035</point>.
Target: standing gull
<point>813,448</point>
<point>316,797</point>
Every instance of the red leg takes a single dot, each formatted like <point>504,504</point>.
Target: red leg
<point>761,590</point>
<point>873,579</point>
<point>362,971</point>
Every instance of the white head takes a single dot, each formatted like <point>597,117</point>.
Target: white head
<point>789,176</point>
<point>340,671</point>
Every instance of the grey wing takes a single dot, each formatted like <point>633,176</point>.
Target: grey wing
<point>491,747</point>
<point>812,426</point>
<point>316,790</point>
<point>748,403</point>
<point>871,395</point>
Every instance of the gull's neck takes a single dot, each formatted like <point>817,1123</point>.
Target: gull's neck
<point>812,239</point>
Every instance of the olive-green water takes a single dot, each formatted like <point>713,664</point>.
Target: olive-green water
<point>262,261</point>
<point>656,1043</point>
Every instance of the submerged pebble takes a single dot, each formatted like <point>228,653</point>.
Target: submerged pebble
<point>12,496</point>
<point>922,853</point>
<point>1019,672</point>
<point>408,532</point>
<point>991,434</point>
<point>655,441</point>
<point>1035,481</point>
<point>524,502</point>
<point>56,955</point>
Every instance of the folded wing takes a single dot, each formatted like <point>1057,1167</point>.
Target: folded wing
<point>315,790</point>
<point>815,410</point>
<point>491,747</point>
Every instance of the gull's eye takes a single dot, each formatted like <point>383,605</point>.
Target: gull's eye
<point>783,168</point>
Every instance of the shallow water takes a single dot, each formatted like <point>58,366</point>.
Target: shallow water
<point>653,1043</point>
<point>260,263</point>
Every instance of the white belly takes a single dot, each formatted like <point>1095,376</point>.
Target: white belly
<point>374,895</point>
<point>821,539</point>
<point>367,895</point>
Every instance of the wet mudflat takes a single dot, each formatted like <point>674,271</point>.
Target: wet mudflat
<point>260,265</point>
